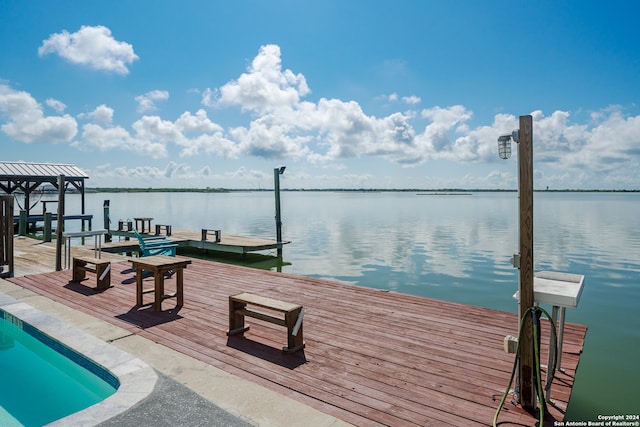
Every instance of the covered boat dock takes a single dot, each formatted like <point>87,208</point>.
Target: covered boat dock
<point>31,179</point>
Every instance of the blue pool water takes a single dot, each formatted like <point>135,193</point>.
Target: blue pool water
<point>41,379</point>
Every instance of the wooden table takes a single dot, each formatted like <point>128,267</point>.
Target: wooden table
<point>159,265</point>
<point>143,221</point>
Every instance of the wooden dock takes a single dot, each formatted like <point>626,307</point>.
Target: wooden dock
<point>228,242</point>
<point>371,358</point>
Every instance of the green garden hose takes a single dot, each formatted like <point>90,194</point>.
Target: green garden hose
<point>550,369</point>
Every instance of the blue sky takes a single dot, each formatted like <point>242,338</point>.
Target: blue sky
<point>348,93</point>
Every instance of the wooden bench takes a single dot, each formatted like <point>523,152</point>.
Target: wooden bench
<point>100,267</point>
<point>216,233</point>
<point>167,229</point>
<point>292,318</point>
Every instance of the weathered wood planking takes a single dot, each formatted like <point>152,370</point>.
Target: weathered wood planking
<point>372,357</point>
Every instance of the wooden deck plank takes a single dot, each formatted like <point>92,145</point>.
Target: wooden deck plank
<point>372,357</point>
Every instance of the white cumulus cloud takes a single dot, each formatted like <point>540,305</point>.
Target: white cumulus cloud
<point>151,135</point>
<point>56,105</point>
<point>27,122</point>
<point>102,114</point>
<point>94,47</point>
<point>264,87</point>
<point>147,102</point>
<point>96,137</point>
<point>411,100</point>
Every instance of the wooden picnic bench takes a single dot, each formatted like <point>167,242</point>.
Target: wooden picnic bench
<point>101,268</point>
<point>292,319</point>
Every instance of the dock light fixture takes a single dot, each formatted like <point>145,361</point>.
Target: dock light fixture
<point>504,144</point>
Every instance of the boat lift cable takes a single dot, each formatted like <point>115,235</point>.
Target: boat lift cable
<point>32,206</point>
<point>535,313</point>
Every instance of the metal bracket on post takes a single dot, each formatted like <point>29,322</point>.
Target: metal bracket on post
<point>516,260</point>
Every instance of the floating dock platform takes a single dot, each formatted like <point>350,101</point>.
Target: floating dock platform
<point>184,238</point>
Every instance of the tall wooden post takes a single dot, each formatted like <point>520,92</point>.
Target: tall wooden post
<point>46,230</point>
<point>106,220</point>
<point>525,178</point>
<point>60,223</point>
<point>276,185</point>
<point>6,236</point>
<point>22,223</point>
<point>27,198</point>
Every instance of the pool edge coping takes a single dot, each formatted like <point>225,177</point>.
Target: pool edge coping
<point>137,378</point>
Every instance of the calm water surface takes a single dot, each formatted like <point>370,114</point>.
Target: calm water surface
<point>455,248</point>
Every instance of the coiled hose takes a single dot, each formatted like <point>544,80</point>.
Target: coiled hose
<point>535,312</point>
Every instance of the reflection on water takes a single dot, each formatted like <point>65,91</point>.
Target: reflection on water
<point>456,248</point>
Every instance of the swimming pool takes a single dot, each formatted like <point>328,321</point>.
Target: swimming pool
<point>48,379</point>
<point>51,372</point>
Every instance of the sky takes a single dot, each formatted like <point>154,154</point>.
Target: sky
<point>345,93</point>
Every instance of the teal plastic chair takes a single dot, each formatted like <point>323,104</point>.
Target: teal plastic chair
<point>150,246</point>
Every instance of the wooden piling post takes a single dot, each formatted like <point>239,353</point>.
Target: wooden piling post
<point>22,223</point>
<point>525,178</point>
<point>46,231</point>
<point>107,220</point>
<point>6,236</point>
<point>276,184</point>
<point>60,223</point>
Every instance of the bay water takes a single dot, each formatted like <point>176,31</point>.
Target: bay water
<point>450,247</point>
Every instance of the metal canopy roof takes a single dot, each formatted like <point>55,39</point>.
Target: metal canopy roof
<point>23,170</point>
<point>23,177</point>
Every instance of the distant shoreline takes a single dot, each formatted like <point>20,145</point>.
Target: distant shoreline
<point>419,191</point>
